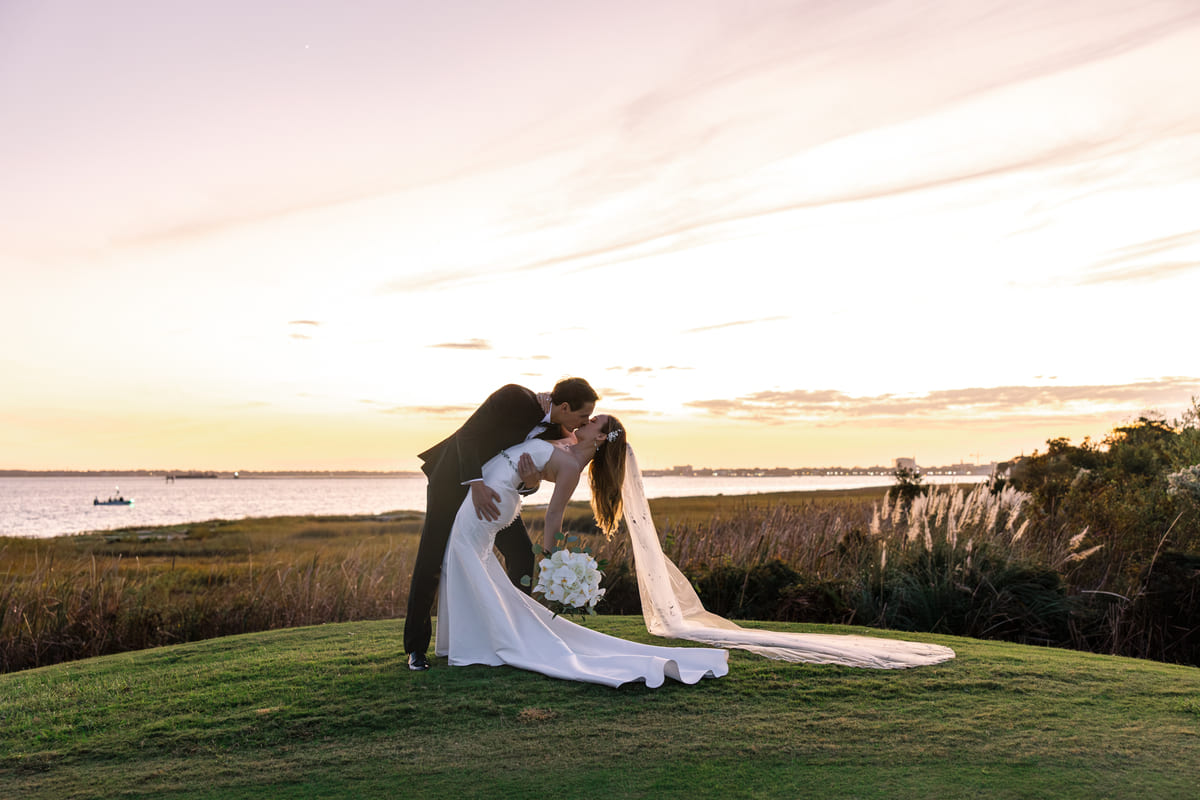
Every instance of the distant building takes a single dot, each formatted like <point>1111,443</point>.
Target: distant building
<point>906,463</point>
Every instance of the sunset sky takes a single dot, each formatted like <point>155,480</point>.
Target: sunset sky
<point>313,235</point>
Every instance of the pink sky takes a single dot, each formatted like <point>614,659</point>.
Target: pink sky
<point>783,233</point>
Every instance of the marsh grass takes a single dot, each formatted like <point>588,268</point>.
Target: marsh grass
<point>806,531</point>
<point>956,560</point>
<point>81,596</point>
<point>952,559</point>
<point>330,711</point>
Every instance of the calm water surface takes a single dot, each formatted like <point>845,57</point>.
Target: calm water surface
<point>55,506</point>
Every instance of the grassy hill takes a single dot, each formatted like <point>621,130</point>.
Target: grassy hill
<point>332,712</point>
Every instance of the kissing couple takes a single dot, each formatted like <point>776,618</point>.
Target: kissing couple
<point>477,476</point>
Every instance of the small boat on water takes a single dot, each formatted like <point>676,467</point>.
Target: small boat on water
<point>115,500</point>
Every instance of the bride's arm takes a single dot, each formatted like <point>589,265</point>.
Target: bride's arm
<point>565,482</point>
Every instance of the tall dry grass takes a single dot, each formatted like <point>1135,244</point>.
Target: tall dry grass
<point>832,537</point>
<point>955,560</point>
<point>77,597</point>
<point>970,521</point>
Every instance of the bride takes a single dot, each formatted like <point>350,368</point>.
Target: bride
<point>484,619</point>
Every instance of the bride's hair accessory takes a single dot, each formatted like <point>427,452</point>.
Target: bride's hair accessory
<point>613,434</point>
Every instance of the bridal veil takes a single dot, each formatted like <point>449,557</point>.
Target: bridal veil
<point>673,610</point>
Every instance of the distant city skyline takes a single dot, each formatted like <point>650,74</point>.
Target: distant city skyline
<point>677,469</point>
<point>780,233</point>
<point>688,470</point>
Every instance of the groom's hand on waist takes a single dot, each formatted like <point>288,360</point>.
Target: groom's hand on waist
<point>531,476</point>
<point>484,498</point>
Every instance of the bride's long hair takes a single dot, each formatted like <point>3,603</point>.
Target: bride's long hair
<point>606,474</point>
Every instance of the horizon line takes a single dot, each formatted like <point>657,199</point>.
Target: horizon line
<point>208,474</point>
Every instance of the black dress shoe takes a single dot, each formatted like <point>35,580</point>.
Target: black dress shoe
<point>418,662</point>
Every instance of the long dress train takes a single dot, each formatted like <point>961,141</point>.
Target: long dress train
<point>484,619</point>
<point>672,609</point>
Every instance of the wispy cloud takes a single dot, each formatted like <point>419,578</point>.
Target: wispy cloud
<point>461,412</point>
<point>434,279</point>
<point>643,369</point>
<point>733,324</point>
<point>470,344</point>
<point>1150,272</point>
<point>304,323</point>
<point>609,394</point>
<point>608,249</point>
<point>1136,262</point>
<point>831,406</point>
<point>653,190</point>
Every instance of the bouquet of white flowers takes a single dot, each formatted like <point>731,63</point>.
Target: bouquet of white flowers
<point>569,582</point>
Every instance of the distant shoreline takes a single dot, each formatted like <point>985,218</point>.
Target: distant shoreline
<point>731,472</point>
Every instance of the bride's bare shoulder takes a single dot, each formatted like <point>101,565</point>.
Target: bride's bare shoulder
<point>562,463</point>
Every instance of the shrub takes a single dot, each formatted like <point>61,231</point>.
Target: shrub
<point>1132,496</point>
<point>753,592</point>
<point>907,487</point>
<point>1166,614</point>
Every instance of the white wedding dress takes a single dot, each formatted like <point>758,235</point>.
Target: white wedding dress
<point>484,619</point>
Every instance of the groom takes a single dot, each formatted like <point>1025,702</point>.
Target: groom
<point>454,467</point>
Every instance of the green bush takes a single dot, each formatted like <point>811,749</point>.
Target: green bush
<point>944,590</point>
<point>812,599</point>
<point>1120,493</point>
<point>738,592</point>
<point>1166,613</point>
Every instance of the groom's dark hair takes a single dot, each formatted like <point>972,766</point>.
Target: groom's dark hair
<point>574,392</point>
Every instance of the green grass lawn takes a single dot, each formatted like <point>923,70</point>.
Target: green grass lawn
<point>332,712</point>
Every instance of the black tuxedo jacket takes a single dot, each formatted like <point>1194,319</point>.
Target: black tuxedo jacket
<point>504,419</point>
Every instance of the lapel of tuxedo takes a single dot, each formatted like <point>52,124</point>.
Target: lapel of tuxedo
<point>553,432</point>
